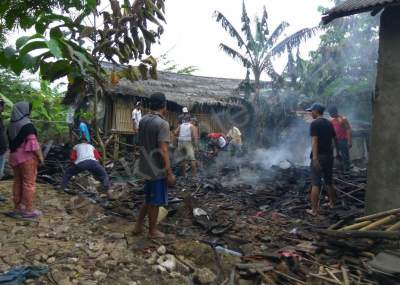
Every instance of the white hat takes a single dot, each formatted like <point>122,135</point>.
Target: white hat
<point>185,110</point>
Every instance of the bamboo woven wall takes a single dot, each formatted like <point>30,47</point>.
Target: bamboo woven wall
<point>122,118</point>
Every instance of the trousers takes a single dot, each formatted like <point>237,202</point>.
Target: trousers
<point>345,154</point>
<point>24,186</point>
<point>93,166</point>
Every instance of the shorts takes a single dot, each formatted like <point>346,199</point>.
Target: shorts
<point>156,192</point>
<point>186,151</point>
<point>325,172</point>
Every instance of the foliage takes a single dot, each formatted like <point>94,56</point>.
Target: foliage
<point>170,65</point>
<point>58,47</point>
<point>342,70</point>
<point>258,47</point>
<point>48,112</point>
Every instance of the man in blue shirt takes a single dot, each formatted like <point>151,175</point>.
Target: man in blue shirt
<point>84,131</point>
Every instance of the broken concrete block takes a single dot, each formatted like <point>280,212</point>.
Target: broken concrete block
<point>167,261</point>
<point>158,269</point>
<point>162,250</point>
<point>98,275</point>
<point>204,276</point>
<point>152,259</point>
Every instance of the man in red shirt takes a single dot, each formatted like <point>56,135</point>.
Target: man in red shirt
<point>85,158</point>
<point>343,134</point>
<point>217,141</point>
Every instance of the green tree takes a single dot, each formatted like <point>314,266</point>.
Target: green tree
<point>343,68</point>
<point>59,47</point>
<point>257,48</point>
<point>48,111</point>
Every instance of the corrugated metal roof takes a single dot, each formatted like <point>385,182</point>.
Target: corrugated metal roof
<point>352,7</point>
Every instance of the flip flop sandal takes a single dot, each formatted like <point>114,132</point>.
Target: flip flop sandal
<point>34,214</point>
<point>13,214</point>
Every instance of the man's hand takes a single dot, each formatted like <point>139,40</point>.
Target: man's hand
<point>171,179</point>
<point>316,164</point>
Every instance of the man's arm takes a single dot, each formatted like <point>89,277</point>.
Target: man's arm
<point>314,146</point>
<point>167,166</point>
<point>177,130</point>
<point>349,132</point>
<point>193,134</point>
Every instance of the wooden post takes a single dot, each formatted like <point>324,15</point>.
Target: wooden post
<point>116,147</point>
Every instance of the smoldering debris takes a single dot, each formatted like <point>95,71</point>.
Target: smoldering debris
<point>242,220</point>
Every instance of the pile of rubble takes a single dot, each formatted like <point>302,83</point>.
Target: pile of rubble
<point>238,223</point>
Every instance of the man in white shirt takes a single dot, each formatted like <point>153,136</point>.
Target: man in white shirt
<point>186,134</point>
<point>235,137</point>
<point>85,157</point>
<point>137,116</point>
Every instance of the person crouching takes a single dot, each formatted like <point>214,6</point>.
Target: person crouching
<point>85,158</point>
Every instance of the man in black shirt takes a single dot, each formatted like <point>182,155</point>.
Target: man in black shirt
<point>322,137</point>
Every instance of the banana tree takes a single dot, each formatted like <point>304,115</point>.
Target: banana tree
<point>257,47</point>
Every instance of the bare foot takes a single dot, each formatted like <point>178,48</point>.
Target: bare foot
<point>156,234</point>
<point>312,213</point>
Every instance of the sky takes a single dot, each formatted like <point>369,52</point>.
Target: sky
<point>192,35</point>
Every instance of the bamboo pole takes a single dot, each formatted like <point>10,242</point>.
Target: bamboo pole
<point>333,276</point>
<point>346,279</point>
<point>379,223</point>
<point>378,215</point>
<point>325,279</point>
<point>361,234</point>
<point>355,226</point>
<point>394,227</point>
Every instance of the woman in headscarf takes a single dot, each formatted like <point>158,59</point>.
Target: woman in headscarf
<point>25,156</point>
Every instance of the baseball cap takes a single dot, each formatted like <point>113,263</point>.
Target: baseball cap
<point>185,110</point>
<point>333,111</point>
<point>316,107</point>
<point>138,103</point>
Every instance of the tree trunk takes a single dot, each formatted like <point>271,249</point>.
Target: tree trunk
<point>257,87</point>
<point>384,167</point>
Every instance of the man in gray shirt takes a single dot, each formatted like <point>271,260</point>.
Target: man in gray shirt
<point>154,164</point>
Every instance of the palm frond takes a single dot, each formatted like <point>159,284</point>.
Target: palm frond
<point>293,41</point>
<point>276,34</point>
<point>236,55</point>
<point>268,68</point>
<point>264,22</point>
<point>246,29</point>
<point>220,18</point>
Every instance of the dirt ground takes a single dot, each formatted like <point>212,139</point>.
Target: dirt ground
<point>77,241</point>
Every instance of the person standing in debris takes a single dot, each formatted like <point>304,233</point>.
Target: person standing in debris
<point>3,141</point>
<point>137,116</point>
<point>184,116</point>
<point>235,137</point>
<point>322,138</point>
<point>344,135</point>
<point>186,134</point>
<point>217,142</point>
<point>85,158</point>
<point>154,163</point>
<point>25,156</point>
<point>84,130</point>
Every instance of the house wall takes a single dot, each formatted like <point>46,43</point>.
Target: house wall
<point>121,118</point>
<point>383,190</point>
